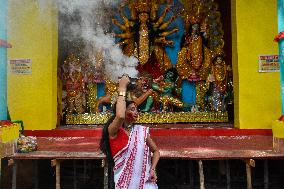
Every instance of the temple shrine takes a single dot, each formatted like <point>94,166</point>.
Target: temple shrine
<point>206,76</point>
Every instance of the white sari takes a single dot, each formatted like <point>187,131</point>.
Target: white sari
<point>133,162</point>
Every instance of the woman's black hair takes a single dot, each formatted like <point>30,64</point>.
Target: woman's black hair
<point>105,147</point>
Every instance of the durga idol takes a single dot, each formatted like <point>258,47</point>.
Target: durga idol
<point>145,34</point>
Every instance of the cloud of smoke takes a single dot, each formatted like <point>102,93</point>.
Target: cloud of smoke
<point>92,23</point>
<point>87,21</point>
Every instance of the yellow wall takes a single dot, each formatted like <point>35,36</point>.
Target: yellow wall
<point>33,33</point>
<point>257,95</point>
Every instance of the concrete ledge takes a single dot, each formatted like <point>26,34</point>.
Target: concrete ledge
<point>278,136</point>
<point>278,129</point>
<point>278,145</point>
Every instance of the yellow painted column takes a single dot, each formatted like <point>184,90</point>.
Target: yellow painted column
<point>32,29</point>
<point>257,95</point>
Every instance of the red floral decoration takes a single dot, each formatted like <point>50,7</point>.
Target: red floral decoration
<point>279,36</point>
<point>5,122</point>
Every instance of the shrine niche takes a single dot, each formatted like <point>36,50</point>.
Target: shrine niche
<point>181,74</point>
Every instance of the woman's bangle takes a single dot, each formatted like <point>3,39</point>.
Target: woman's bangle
<point>122,93</point>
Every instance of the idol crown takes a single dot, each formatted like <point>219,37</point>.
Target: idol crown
<point>143,5</point>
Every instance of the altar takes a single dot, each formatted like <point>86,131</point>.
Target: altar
<point>173,50</point>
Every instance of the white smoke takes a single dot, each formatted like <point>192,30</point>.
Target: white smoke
<point>92,28</point>
<point>91,25</point>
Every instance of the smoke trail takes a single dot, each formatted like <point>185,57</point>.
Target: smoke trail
<point>92,23</point>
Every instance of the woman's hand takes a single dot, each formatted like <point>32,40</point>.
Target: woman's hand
<point>120,107</point>
<point>153,175</point>
<point>123,82</point>
<point>155,158</point>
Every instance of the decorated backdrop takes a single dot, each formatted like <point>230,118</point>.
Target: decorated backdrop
<point>173,51</point>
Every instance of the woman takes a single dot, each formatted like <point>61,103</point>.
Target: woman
<point>128,146</point>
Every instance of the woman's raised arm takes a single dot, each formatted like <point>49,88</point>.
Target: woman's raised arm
<point>120,107</point>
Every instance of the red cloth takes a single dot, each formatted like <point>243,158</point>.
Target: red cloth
<point>152,66</point>
<point>118,143</point>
